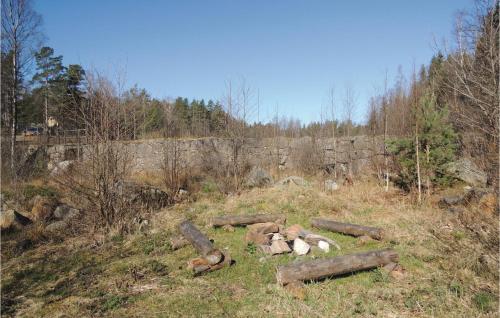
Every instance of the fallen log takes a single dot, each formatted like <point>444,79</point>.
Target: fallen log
<point>347,228</point>
<point>200,242</point>
<point>243,220</point>
<point>323,268</point>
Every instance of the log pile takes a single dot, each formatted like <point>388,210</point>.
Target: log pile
<point>267,232</point>
<point>272,239</point>
<point>211,258</point>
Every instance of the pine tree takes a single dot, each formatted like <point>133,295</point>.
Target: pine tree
<point>49,74</point>
<point>437,144</point>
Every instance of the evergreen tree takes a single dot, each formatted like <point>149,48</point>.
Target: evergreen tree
<point>49,75</point>
<point>437,146</point>
<point>73,95</point>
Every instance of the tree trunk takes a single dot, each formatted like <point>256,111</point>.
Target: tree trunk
<point>324,268</point>
<point>428,177</point>
<point>235,220</point>
<point>385,151</point>
<point>419,182</point>
<point>13,127</point>
<point>200,242</point>
<point>46,110</point>
<point>346,228</point>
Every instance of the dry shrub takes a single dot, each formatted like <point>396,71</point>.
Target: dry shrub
<point>97,180</point>
<point>216,167</point>
<point>308,156</point>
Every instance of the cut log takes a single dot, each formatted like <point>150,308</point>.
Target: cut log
<point>323,268</point>
<point>243,220</point>
<point>200,242</point>
<point>202,268</point>
<point>346,228</point>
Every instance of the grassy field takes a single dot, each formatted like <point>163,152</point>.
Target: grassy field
<point>139,275</point>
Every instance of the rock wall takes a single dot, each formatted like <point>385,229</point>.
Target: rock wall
<point>285,153</point>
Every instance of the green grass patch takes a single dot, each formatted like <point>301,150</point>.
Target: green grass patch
<point>485,301</point>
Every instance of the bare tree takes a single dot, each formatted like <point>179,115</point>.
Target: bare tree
<point>20,35</point>
<point>99,179</point>
<point>172,170</point>
<point>386,155</point>
<point>349,107</point>
<point>239,110</point>
<point>473,78</point>
<point>333,113</point>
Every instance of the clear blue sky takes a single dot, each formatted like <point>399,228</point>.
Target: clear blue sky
<point>290,51</point>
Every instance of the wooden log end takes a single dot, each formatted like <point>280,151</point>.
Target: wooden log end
<point>214,257</point>
<point>204,268</point>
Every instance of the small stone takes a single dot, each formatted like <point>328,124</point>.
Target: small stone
<point>228,228</point>
<point>56,226</point>
<point>256,238</point>
<point>264,228</point>
<point>277,237</point>
<point>65,212</point>
<point>300,247</point>
<point>12,219</point>
<point>293,231</point>
<point>266,249</point>
<point>324,246</point>
<point>331,185</point>
<point>258,177</point>
<point>449,201</point>
<point>279,247</point>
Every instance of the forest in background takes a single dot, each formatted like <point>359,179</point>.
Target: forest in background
<point>446,108</point>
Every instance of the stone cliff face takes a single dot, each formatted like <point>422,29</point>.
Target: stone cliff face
<point>284,153</point>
